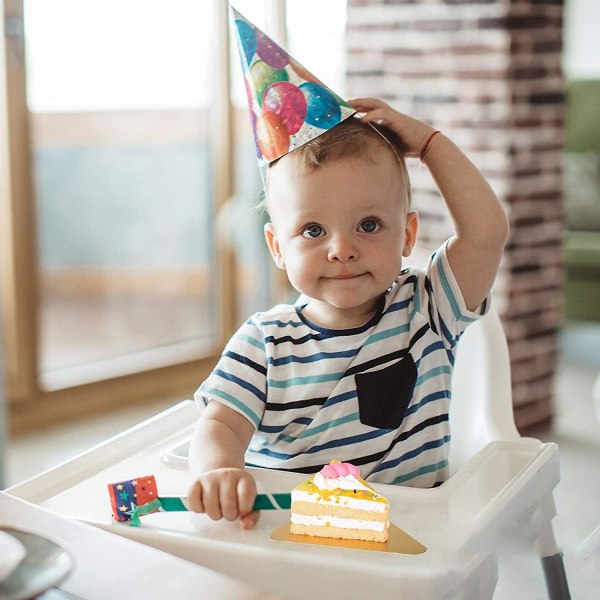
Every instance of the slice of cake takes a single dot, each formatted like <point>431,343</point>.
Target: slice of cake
<point>337,503</point>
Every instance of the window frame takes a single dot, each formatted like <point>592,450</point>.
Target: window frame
<point>30,400</point>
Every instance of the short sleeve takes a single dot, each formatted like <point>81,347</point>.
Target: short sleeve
<point>240,378</point>
<point>446,308</point>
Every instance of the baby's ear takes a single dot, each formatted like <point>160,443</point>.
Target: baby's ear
<point>273,244</point>
<point>410,232</point>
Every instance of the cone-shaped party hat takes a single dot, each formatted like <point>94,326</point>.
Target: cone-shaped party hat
<point>288,105</point>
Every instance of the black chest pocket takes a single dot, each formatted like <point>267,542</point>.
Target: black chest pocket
<point>384,396</point>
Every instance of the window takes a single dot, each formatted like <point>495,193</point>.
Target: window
<point>133,245</point>
<point>119,96</point>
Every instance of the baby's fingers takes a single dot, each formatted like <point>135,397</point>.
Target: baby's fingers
<point>366,104</point>
<point>249,521</point>
<point>211,500</point>
<point>246,489</point>
<point>225,493</point>
<point>228,499</point>
<point>204,498</point>
<point>375,116</point>
<point>194,497</point>
<point>246,494</point>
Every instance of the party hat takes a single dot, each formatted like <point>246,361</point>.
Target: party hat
<point>288,105</point>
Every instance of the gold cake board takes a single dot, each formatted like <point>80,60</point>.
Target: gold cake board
<point>398,541</point>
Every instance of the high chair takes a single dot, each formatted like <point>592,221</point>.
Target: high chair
<point>500,486</point>
<point>482,421</point>
<point>588,552</point>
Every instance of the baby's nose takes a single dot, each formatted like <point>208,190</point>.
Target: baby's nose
<point>342,249</point>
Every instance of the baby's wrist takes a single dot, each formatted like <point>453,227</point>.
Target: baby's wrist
<point>216,468</point>
<point>428,143</point>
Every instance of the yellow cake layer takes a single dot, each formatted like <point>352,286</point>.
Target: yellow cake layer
<point>339,533</point>
<point>308,508</point>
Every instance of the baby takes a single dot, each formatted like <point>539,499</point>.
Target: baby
<point>361,369</point>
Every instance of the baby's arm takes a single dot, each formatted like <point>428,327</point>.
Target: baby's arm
<point>222,487</point>
<point>479,220</point>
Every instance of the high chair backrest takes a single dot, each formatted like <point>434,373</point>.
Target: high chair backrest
<point>481,407</point>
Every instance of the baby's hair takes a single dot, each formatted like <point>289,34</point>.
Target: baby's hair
<point>352,137</point>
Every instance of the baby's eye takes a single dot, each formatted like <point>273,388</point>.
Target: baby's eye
<point>369,226</point>
<point>313,231</point>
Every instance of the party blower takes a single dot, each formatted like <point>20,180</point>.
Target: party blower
<point>134,498</point>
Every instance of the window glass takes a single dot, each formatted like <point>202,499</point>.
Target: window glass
<point>119,94</point>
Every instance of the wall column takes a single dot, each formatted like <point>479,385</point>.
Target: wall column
<point>488,74</point>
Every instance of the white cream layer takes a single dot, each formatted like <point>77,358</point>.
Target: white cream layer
<point>332,521</point>
<point>347,482</point>
<point>345,502</point>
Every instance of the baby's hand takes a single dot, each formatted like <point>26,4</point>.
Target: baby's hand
<point>225,493</point>
<point>412,132</point>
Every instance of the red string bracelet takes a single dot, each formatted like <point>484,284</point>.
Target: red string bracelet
<point>426,146</point>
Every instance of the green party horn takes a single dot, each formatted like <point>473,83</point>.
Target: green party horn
<point>134,498</point>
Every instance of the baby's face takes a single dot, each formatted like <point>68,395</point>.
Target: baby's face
<point>341,230</point>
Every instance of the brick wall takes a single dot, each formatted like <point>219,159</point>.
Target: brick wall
<point>487,73</point>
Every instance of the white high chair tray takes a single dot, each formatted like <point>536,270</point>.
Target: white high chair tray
<point>453,521</point>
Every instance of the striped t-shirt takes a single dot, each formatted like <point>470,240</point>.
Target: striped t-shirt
<point>376,395</point>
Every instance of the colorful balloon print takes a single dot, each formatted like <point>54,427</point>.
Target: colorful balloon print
<point>270,52</point>
<point>288,105</point>
<point>323,110</point>
<point>261,76</point>
<point>249,94</point>
<point>253,121</point>
<point>247,44</point>
<point>303,73</point>
<point>272,136</point>
<point>286,101</point>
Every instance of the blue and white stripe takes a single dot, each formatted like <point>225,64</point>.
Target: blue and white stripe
<point>294,381</point>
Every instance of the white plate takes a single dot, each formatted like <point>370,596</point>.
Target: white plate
<point>45,565</point>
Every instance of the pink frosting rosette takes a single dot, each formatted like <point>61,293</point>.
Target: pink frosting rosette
<point>340,469</point>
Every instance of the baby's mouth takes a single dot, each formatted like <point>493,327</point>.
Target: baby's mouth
<point>343,276</point>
